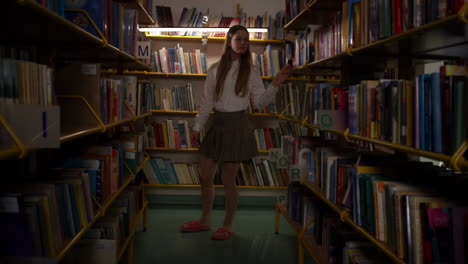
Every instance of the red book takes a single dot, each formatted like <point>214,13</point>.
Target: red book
<point>156,133</point>
<point>176,139</point>
<point>397,26</point>
<point>160,142</point>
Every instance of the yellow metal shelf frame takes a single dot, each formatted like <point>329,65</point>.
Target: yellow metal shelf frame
<point>461,16</point>
<point>149,35</point>
<point>101,126</point>
<point>36,19</point>
<point>129,240</point>
<point>216,186</point>
<point>345,217</point>
<point>19,148</point>
<point>99,214</point>
<point>300,231</point>
<point>144,18</point>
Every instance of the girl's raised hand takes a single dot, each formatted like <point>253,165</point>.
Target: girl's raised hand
<point>282,75</point>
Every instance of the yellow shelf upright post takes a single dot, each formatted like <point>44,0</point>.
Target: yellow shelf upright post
<point>19,143</point>
<point>456,158</point>
<point>463,13</point>
<point>105,43</point>
<point>96,116</point>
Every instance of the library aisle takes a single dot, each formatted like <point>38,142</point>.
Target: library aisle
<point>254,241</point>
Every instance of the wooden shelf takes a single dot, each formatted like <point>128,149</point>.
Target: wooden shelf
<point>297,227</point>
<point>317,12</point>
<point>216,186</point>
<point>69,135</point>
<point>170,37</point>
<point>66,40</point>
<point>133,227</point>
<point>99,214</point>
<point>171,149</point>
<point>462,163</point>
<point>439,40</point>
<point>144,17</point>
<point>310,245</point>
<point>345,217</point>
<point>202,75</point>
<point>170,112</point>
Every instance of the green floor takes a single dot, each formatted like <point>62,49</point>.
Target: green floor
<point>254,241</point>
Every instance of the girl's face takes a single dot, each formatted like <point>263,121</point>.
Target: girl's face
<point>239,42</point>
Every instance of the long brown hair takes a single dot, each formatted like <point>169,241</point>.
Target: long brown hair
<point>224,65</point>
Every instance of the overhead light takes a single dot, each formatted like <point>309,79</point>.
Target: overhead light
<point>157,31</point>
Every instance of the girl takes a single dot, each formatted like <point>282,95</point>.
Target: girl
<point>230,85</point>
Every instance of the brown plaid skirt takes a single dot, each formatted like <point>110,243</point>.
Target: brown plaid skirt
<point>230,138</point>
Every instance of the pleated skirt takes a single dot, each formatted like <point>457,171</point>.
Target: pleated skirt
<point>230,138</point>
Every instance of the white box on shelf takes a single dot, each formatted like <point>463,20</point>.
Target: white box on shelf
<point>37,126</point>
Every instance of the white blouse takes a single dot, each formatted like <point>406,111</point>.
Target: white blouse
<point>229,101</point>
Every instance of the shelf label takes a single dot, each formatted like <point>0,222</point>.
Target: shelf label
<point>143,51</point>
<point>89,69</point>
<point>330,119</point>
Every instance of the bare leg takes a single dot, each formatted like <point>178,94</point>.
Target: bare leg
<point>230,191</point>
<point>208,169</point>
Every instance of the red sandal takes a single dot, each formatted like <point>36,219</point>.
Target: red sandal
<point>193,226</point>
<point>222,234</point>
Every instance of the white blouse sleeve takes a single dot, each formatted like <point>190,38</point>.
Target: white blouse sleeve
<point>260,96</point>
<point>207,101</point>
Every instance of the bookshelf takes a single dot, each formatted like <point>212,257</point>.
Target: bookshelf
<point>66,36</point>
<point>315,12</point>
<point>216,186</point>
<point>304,241</point>
<point>144,18</point>
<point>416,42</point>
<point>128,244</point>
<point>186,38</point>
<point>442,39</point>
<point>34,33</point>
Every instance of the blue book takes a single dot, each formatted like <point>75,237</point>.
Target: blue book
<point>95,9</point>
<point>172,172</point>
<point>428,112</point>
<point>74,207</point>
<point>63,194</point>
<point>422,121</point>
<point>182,135</point>
<point>157,171</point>
<point>436,112</point>
<point>172,59</point>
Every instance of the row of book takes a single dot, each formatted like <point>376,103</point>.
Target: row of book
<point>329,239</point>
<point>177,98</point>
<point>116,91</point>
<point>119,25</point>
<point>412,218</point>
<point>173,134</point>
<point>270,62</point>
<point>362,22</point>
<point>57,6</point>
<point>193,17</point>
<point>255,172</point>
<point>292,99</point>
<point>267,138</point>
<point>25,82</point>
<point>293,8</point>
<point>105,239</point>
<point>175,60</point>
<point>425,113</point>
<point>41,216</point>
<point>262,172</point>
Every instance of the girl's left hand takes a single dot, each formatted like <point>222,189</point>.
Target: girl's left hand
<point>282,75</point>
